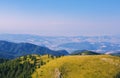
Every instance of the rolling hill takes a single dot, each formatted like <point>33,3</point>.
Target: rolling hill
<point>13,50</point>
<point>48,66</point>
<point>100,66</point>
<point>84,52</point>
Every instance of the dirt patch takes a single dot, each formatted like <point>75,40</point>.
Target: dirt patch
<point>57,73</point>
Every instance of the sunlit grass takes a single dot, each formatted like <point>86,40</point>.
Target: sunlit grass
<point>99,66</point>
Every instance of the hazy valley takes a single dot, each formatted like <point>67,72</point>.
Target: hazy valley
<point>101,44</point>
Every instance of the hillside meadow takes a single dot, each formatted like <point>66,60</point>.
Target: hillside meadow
<point>89,66</point>
<point>72,66</point>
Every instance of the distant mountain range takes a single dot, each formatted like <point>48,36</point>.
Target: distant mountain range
<point>114,53</point>
<point>13,50</point>
<point>96,46</point>
<point>101,44</point>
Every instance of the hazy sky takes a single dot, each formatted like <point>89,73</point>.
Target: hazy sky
<point>60,17</point>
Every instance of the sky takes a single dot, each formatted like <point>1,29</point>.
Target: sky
<point>60,17</point>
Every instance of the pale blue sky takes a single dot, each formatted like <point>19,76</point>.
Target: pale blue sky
<point>60,17</point>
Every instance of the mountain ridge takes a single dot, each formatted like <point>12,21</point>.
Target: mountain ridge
<point>84,52</point>
<point>13,50</point>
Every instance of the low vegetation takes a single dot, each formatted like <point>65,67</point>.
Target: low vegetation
<point>22,67</point>
<point>3,60</point>
<point>95,66</point>
<point>73,66</point>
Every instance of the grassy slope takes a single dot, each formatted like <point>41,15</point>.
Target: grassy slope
<point>99,66</point>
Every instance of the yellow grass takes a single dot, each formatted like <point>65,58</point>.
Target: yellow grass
<point>99,66</point>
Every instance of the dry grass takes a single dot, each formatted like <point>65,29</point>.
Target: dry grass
<point>99,66</point>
